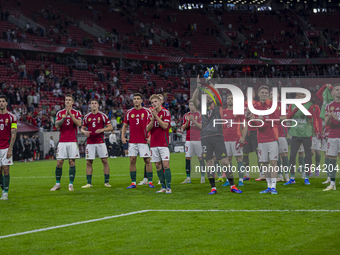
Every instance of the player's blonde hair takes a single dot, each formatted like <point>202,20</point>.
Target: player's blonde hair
<point>154,96</point>
<point>263,87</point>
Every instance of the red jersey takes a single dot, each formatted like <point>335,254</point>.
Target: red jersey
<point>255,103</point>
<point>267,133</point>
<point>232,130</point>
<point>318,119</point>
<point>138,120</point>
<point>326,132</point>
<point>94,122</point>
<point>193,132</point>
<point>160,136</point>
<point>334,128</point>
<point>68,130</point>
<point>7,122</point>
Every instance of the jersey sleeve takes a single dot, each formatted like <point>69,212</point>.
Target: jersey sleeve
<point>126,118</point>
<point>106,120</point>
<point>58,118</point>
<point>167,117</point>
<point>185,118</point>
<point>78,115</point>
<point>14,122</point>
<point>85,122</point>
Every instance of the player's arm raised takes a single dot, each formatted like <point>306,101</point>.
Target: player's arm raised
<point>125,126</point>
<point>195,95</point>
<point>186,123</point>
<point>162,123</point>
<point>150,125</point>
<point>13,137</point>
<point>74,119</point>
<point>199,125</point>
<point>60,122</point>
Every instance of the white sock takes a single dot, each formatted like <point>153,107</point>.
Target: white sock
<point>269,182</point>
<point>274,180</point>
<point>333,183</point>
<point>134,183</point>
<point>145,179</point>
<point>213,188</point>
<point>189,178</point>
<point>240,180</point>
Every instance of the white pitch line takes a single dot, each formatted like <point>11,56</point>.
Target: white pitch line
<point>72,224</point>
<point>158,210</point>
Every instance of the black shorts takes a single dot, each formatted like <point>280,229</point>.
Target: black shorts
<point>125,146</point>
<point>213,145</point>
<point>251,140</point>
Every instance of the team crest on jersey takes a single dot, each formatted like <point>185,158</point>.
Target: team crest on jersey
<point>98,119</point>
<point>142,115</point>
<point>204,155</point>
<point>332,108</point>
<point>90,119</point>
<point>87,156</point>
<point>6,121</point>
<point>63,116</point>
<point>196,117</point>
<point>132,115</point>
<point>161,116</point>
<point>57,155</point>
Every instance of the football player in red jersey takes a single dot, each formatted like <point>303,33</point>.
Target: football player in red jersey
<point>8,127</point>
<point>95,122</point>
<point>145,180</point>
<point>333,142</point>
<point>158,126</point>
<point>68,121</point>
<point>137,118</point>
<point>267,136</point>
<point>192,124</point>
<point>234,139</point>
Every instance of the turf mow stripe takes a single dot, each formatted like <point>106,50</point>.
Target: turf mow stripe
<point>161,210</point>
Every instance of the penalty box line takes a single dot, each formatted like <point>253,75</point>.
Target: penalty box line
<point>158,210</point>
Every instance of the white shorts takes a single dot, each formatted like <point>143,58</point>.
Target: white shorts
<point>231,149</point>
<point>98,148</point>
<point>283,145</point>
<point>67,150</point>
<point>159,154</point>
<point>139,148</point>
<point>270,149</point>
<point>324,145</point>
<point>333,147</point>
<point>301,149</point>
<point>193,148</point>
<point>316,144</point>
<point>4,161</point>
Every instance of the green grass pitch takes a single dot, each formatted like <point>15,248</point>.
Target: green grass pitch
<point>32,206</point>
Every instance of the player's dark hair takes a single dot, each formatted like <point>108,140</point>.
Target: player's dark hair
<point>138,95</point>
<point>230,94</point>
<point>4,97</point>
<point>94,99</point>
<point>69,95</point>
